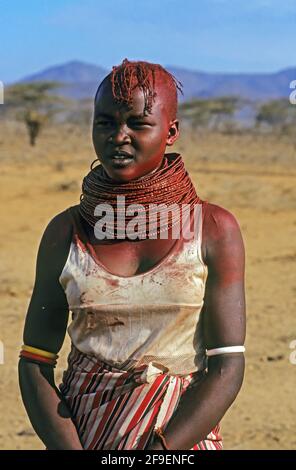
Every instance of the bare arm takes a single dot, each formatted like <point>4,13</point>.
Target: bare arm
<point>202,406</point>
<point>45,328</point>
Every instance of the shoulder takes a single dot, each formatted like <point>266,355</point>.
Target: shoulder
<point>60,226</point>
<point>56,239</point>
<point>218,220</point>
<point>221,229</point>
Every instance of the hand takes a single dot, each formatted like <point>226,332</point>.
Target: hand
<point>156,444</point>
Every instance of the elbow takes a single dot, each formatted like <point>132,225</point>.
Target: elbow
<point>27,374</point>
<point>32,373</point>
<point>26,368</point>
<point>22,369</point>
<point>229,371</point>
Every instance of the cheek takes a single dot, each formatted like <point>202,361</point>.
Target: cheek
<point>97,138</point>
<point>153,139</point>
<point>94,136</point>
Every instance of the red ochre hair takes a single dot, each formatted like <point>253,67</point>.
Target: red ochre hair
<point>130,75</point>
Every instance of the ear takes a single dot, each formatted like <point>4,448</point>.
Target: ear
<point>173,132</point>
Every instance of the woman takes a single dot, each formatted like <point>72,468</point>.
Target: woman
<point>158,320</point>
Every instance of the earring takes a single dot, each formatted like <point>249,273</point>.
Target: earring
<point>96,160</point>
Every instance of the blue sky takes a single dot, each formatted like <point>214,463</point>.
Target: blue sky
<point>209,35</point>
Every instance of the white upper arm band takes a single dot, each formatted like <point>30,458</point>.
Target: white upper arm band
<point>225,350</point>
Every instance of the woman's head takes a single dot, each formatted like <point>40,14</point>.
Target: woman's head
<point>135,113</point>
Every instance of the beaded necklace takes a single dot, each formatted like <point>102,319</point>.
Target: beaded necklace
<point>169,186</point>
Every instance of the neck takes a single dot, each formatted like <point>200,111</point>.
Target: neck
<point>152,171</point>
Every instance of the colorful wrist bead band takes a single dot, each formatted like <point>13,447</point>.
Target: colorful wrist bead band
<point>38,355</point>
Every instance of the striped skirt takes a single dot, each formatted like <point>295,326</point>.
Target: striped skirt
<point>119,409</point>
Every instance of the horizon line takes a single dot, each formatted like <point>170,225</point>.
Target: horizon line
<point>179,67</point>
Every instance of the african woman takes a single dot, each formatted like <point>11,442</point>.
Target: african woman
<point>158,320</point>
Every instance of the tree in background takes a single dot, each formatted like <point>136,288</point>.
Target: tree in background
<point>222,110</point>
<point>195,113</point>
<point>278,114</point>
<point>34,104</point>
<point>209,113</point>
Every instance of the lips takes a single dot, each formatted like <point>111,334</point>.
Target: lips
<point>120,155</point>
<point>120,159</point>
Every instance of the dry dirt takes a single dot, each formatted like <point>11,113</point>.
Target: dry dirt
<point>252,176</point>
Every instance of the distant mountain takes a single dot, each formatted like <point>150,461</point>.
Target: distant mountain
<point>81,81</point>
<point>249,86</point>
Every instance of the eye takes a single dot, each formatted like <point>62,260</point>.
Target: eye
<point>103,123</point>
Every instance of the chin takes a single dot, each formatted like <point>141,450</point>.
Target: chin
<point>129,173</point>
<point>122,176</point>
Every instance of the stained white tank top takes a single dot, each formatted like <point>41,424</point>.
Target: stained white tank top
<point>152,318</point>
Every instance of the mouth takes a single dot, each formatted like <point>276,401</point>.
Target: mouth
<point>120,155</point>
<point>121,158</point>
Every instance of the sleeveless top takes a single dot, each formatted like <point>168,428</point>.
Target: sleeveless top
<point>152,318</point>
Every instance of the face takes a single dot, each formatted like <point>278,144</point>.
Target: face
<point>128,143</point>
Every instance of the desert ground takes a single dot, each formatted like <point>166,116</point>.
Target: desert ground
<point>253,176</point>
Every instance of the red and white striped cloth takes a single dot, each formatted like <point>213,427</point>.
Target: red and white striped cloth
<point>119,409</point>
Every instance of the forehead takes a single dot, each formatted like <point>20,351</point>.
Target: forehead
<point>105,102</point>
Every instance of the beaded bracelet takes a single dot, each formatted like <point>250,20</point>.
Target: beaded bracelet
<point>159,433</point>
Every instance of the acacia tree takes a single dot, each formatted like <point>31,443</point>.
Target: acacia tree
<point>34,104</point>
<point>277,114</point>
<point>196,112</point>
<point>223,109</point>
<point>209,113</point>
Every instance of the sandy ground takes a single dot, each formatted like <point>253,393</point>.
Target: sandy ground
<point>253,177</point>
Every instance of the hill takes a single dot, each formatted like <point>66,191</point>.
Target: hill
<point>81,80</point>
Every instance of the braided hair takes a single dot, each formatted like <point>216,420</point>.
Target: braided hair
<point>129,75</point>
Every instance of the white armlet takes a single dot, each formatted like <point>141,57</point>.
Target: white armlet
<point>227,349</point>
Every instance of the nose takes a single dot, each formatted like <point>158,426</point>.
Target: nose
<point>120,136</point>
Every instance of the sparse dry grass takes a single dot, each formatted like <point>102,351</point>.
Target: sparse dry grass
<point>252,176</point>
